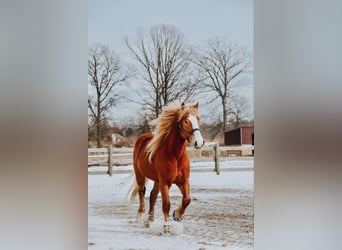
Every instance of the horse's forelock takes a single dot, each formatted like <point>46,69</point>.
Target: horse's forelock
<point>189,110</point>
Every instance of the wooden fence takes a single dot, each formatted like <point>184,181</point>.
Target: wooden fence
<point>124,156</point>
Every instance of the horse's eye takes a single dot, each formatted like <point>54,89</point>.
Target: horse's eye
<point>186,122</point>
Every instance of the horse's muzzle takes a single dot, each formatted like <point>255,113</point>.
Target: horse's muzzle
<point>197,145</point>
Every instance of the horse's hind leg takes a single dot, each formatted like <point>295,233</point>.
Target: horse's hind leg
<point>141,190</point>
<point>185,190</point>
<point>153,198</point>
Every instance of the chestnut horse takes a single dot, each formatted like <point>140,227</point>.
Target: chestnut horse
<point>162,157</point>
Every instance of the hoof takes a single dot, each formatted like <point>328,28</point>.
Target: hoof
<point>175,218</point>
<point>151,218</point>
<point>147,223</point>
<point>166,229</point>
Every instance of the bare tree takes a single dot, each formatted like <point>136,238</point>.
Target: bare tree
<point>164,62</point>
<point>221,63</point>
<point>237,110</point>
<point>105,72</point>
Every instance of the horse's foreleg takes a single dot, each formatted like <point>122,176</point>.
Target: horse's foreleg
<point>153,198</point>
<point>164,189</point>
<point>185,190</point>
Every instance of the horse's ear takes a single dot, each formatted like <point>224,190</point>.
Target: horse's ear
<point>182,105</point>
<point>196,105</point>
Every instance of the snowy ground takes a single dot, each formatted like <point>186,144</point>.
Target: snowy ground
<point>220,215</point>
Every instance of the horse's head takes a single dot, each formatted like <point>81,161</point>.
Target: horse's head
<point>189,125</point>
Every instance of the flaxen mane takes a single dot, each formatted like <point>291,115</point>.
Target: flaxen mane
<point>164,122</point>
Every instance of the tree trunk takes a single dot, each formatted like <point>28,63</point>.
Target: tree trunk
<point>98,133</point>
<point>98,123</point>
<point>157,103</point>
<point>224,112</point>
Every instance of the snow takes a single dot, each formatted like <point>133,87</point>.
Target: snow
<point>220,215</point>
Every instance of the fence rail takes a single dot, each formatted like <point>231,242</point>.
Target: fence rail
<point>126,151</point>
<point>98,156</point>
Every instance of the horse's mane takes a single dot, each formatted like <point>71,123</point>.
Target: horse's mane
<point>164,122</point>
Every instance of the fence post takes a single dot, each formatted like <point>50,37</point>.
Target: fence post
<point>217,158</point>
<point>110,163</point>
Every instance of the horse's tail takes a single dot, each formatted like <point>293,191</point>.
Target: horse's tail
<point>134,190</point>
<point>128,182</point>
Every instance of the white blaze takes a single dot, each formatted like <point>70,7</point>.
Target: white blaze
<point>197,134</point>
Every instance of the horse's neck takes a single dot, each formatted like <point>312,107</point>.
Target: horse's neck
<point>175,143</point>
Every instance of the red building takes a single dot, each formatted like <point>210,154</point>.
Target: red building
<point>239,136</point>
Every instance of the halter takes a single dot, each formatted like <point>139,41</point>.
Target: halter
<point>188,134</point>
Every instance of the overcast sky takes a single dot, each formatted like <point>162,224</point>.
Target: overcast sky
<point>109,21</point>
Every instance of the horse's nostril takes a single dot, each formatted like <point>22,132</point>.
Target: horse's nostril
<point>195,143</point>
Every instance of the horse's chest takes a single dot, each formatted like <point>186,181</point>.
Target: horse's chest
<point>175,173</point>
